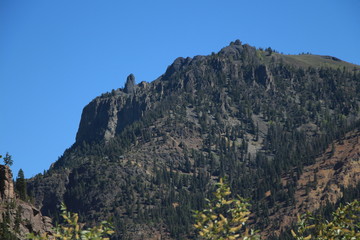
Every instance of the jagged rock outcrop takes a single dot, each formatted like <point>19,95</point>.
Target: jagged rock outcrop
<point>20,217</point>
<point>6,184</point>
<point>130,84</point>
<point>107,115</point>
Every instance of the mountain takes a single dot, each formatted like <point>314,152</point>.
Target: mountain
<point>18,217</point>
<point>146,155</point>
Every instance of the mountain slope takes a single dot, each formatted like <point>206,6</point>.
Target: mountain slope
<point>146,155</point>
<point>334,177</point>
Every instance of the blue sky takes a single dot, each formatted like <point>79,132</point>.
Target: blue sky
<point>56,56</point>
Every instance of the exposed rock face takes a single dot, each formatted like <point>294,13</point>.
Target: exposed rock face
<point>130,84</point>
<point>31,219</point>
<point>6,184</point>
<point>99,119</point>
<point>264,77</point>
<point>106,116</point>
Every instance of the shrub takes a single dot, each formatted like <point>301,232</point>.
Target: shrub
<point>224,217</point>
<point>73,230</point>
<point>345,224</point>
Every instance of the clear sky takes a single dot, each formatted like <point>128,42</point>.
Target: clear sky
<point>56,56</point>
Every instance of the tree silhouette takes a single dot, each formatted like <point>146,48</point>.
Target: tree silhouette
<point>20,185</point>
<point>8,160</point>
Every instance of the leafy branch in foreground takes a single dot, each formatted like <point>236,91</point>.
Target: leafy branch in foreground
<point>224,217</point>
<point>73,230</point>
<point>344,225</point>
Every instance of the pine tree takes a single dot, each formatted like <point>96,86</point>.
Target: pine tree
<point>21,185</point>
<point>8,160</point>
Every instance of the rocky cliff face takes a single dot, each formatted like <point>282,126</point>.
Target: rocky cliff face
<point>108,114</point>
<point>20,217</point>
<point>6,184</point>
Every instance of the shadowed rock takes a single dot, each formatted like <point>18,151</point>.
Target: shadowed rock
<point>130,84</point>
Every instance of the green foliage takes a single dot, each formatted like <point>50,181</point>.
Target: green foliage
<point>8,160</point>
<point>20,185</point>
<point>73,230</point>
<point>269,50</point>
<point>17,220</point>
<point>5,233</point>
<point>345,224</point>
<point>224,217</point>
